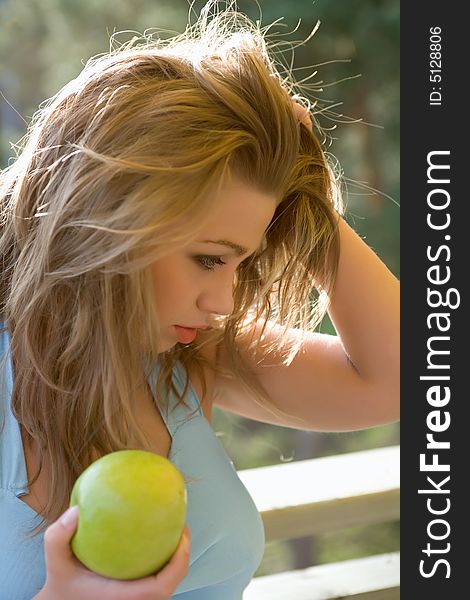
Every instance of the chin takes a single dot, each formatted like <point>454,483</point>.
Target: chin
<point>165,342</point>
<point>165,347</point>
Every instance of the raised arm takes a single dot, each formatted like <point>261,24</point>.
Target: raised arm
<point>344,382</point>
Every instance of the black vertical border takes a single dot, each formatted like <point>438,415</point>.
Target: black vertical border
<point>426,128</point>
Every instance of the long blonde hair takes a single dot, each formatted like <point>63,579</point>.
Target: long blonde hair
<point>117,170</point>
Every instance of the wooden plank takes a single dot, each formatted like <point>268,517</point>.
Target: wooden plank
<point>326,494</point>
<point>371,578</point>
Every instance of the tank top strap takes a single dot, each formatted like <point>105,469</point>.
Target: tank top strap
<point>176,412</point>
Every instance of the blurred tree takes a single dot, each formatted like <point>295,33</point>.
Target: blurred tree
<point>45,43</point>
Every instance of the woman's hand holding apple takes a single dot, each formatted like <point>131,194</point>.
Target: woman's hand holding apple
<point>68,578</point>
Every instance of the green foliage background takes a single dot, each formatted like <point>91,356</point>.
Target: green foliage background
<point>45,43</point>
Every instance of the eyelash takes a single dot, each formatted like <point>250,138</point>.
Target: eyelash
<point>212,260</point>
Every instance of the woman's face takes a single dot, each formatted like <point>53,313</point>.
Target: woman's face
<point>196,282</point>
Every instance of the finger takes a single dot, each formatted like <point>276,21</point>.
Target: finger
<point>57,538</point>
<point>302,115</point>
<point>184,546</point>
<point>178,566</point>
<point>163,585</point>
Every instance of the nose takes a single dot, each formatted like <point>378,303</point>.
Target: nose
<point>217,299</point>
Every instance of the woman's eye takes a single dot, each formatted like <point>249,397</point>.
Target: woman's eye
<point>209,262</point>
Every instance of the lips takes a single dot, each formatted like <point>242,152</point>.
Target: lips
<point>185,335</point>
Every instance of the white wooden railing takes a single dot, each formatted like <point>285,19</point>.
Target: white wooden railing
<point>321,495</point>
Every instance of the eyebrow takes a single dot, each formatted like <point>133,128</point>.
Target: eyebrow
<point>239,250</point>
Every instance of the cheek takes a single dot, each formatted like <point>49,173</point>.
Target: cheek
<point>173,283</point>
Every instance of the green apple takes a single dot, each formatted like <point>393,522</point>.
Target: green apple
<point>132,510</point>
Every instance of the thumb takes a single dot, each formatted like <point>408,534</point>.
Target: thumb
<point>57,539</point>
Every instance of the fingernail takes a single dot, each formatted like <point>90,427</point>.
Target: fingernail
<point>69,516</point>
<point>186,543</point>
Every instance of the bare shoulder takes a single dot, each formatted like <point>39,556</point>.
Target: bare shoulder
<point>318,389</point>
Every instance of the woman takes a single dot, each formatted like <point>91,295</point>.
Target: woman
<point>163,229</point>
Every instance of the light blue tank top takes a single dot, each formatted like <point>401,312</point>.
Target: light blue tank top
<point>226,528</point>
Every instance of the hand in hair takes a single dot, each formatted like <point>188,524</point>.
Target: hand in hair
<point>68,578</point>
